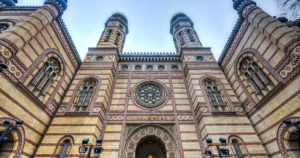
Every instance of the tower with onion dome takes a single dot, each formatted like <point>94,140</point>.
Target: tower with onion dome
<point>182,30</point>
<point>114,34</point>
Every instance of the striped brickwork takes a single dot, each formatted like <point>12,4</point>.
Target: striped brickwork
<point>177,108</point>
<point>33,36</point>
<point>74,125</point>
<point>213,124</point>
<point>272,45</point>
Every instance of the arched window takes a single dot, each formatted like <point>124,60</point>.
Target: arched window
<point>45,77</point>
<point>85,96</point>
<point>215,96</point>
<point>255,76</point>
<point>117,38</point>
<point>237,149</point>
<point>3,27</point>
<point>181,38</point>
<point>190,35</point>
<point>108,36</point>
<point>64,150</point>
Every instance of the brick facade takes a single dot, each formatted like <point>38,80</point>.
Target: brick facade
<point>186,116</point>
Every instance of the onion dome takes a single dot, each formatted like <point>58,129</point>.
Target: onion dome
<point>60,4</point>
<point>121,15</point>
<point>8,3</point>
<point>239,4</point>
<point>283,19</point>
<point>177,15</point>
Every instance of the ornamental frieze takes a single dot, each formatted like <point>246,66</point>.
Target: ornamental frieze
<point>150,118</point>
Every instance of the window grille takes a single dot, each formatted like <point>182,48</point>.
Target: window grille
<point>45,77</point>
<point>214,94</point>
<point>237,149</point>
<point>64,150</point>
<point>257,79</point>
<point>85,96</point>
<point>190,35</point>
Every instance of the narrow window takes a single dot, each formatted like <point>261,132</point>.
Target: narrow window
<point>214,94</point>
<point>256,77</point>
<point>108,36</point>
<point>181,38</point>
<point>117,38</point>
<point>237,149</point>
<point>190,35</point>
<point>64,150</point>
<point>85,95</point>
<point>45,77</point>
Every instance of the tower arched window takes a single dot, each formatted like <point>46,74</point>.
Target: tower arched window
<point>181,38</point>
<point>108,36</point>
<point>45,77</point>
<point>64,150</point>
<point>256,78</point>
<point>117,38</point>
<point>3,27</point>
<point>237,149</point>
<point>214,94</point>
<point>85,96</point>
<point>190,35</point>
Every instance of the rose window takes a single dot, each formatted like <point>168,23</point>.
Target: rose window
<point>150,94</point>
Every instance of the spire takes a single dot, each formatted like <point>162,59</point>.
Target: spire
<point>182,30</point>
<point>8,3</point>
<point>61,5</point>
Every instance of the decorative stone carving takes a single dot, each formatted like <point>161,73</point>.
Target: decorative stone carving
<point>150,94</point>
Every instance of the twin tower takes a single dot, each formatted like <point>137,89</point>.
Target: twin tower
<point>181,28</point>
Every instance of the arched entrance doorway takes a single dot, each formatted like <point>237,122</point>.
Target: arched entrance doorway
<point>293,145</point>
<point>6,146</point>
<point>150,147</point>
<point>150,141</point>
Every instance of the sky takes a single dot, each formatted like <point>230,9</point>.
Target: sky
<point>149,21</point>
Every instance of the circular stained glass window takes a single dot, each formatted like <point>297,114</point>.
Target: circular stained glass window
<point>150,94</point>
<point>199,58</point>
<point>124,67</point>
<point>99,58</point>
<point>161,67</point>
<point>138,67</point>
<point>149,67</point>
<point>175,67</point>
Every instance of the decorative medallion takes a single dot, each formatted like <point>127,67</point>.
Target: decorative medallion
<point>150,94</point>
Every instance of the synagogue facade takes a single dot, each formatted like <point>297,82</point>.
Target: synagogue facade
<point>148,104</point>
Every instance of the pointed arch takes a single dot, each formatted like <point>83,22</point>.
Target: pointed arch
<point>265,67</point>
<point>38,64</point>
<point>77,92</point>
<point>215,94</point>
<point>238,147</point>
<point>64,147</point>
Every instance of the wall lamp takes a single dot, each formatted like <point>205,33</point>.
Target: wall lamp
<point>220,151</point>
<point>98,147</point>
<point>9,129</point>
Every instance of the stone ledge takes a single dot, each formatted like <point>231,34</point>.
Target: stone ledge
<point>77,113</point>
<point>224,113</point>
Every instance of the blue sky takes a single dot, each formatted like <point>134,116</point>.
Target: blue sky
<point>149,21</point>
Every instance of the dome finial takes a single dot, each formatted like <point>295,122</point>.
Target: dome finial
<point>178,14</point>
<point>61,5</point>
